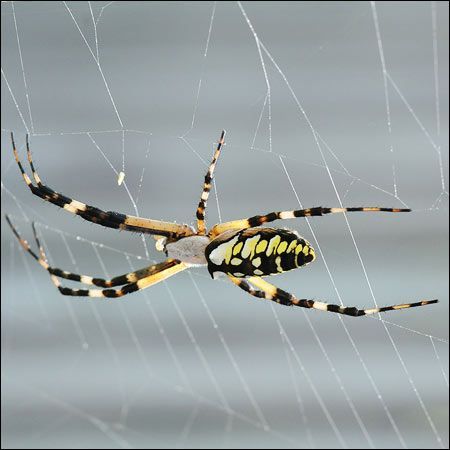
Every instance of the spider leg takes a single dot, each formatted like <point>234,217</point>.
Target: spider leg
<point>142,283</point>
<point>201,209</point>
<point>133,281</point>
<point>271,292</point>
<point>42,254</point>
<point>282,215</point>
<point>109,219</point>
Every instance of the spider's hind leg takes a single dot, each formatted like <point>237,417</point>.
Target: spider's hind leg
<point>271,292</point>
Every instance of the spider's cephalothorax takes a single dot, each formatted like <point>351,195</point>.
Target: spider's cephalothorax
<point>190,250</point>
<point>241,249</point>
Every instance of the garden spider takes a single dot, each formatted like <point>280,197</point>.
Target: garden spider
<point>240,249</point>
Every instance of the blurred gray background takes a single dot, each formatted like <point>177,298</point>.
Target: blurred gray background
<point>194,362</point>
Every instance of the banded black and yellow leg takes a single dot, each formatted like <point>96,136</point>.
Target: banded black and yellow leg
<point>271,292</point>
<point>110,219</point>
<point>201,209</point>
<point>42,254</point>
<point>24,243</point>
<point>142,283</point>
<point>283,215</point>
<point>128,278</point>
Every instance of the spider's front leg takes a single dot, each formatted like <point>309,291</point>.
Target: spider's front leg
<point>110,219</point>
<point>271,292</point>
<point>201,208</point>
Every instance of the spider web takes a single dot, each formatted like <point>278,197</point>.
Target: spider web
<point>331,104</point>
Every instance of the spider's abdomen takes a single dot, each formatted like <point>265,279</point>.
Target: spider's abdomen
<point>257,252</point>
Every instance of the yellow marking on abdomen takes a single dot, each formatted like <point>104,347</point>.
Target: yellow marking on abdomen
<point>273,243</point>
<point>278,263</point>
<point>291,247</point>
<point>249,247</point>
<point>237,248</point>
<point>282,247</point>
<point>228,252</point>
<point>261,246</point>
<point>223,252</point>
<point>305,250</point>
<point>236,261</point>
<point>298,249</point>
<point>256,262</point>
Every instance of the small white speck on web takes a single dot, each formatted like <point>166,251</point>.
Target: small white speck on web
<point>120,178</point>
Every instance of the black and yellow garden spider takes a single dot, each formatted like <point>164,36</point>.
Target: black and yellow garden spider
<point>241,249</point>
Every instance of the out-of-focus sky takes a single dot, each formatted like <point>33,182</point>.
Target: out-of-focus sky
<point>340,102</point>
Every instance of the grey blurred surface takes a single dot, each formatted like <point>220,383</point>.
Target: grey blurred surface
<point>192,362</point>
